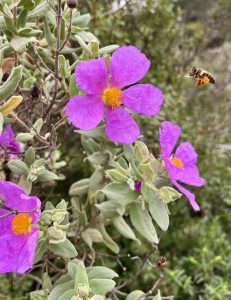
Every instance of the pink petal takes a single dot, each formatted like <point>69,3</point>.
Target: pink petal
<point>186,153</point>
<point>128,65</point>
<point>27,252</point>
<point>190,196</point>
<point>169,135</point>
<point>85,112</point>
<point>144,99</point>
<point>190,173</point>
<point>92,76</point>
<point>121,127</point>
<point>18,251</point>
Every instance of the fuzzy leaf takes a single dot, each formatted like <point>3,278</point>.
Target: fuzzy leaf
<point>80,275</point>
<point>47,176</point>
<point>123,228</point>
<point>120,193</point>
<point>19,167</point>
<point>101,286</point>
<point>100,273</point>
<point>142,221</point>
<point>156,207</point>
<point>24,137</point>
<point>11,84</point>
<point>10,105</point>
<point>64,249</point>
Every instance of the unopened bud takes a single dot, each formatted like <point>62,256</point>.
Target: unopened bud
<point>169,194</point>
<point>46,217</point>
<point>84,291</point>
<point>141,151</point>
<point>72,3</point>
<point>55,234</point>
<point>59,215</point>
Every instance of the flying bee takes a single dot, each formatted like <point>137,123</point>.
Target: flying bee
<point>201,76</point>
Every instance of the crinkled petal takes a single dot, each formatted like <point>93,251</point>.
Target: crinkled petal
<point>186,153</point>
<point>190,173</point>
<point>169,135</point>
<point>121,127</point>
<point>128,65</point>
<point>15,198</point>
<point>189,196</point>
<point>144,99</point>
<point>92,76</point>
<point>85,112</point>
<point>17,251</point>
<point>27,253</point>
<point>7,136</point>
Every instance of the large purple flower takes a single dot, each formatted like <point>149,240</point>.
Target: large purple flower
<point>8,142</point>
<point>18,232</point>
<point>105,93</point>
<point>180,166</point>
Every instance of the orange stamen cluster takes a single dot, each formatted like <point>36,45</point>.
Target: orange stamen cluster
<point>177,162</point>
<point>112,97</point>
<point>21,224</point>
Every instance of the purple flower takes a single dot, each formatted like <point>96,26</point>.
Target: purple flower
<point>181,166</point>
<point>19,234</point>
<point>138,185</point>
<point>128,65</point>
<point>8,142</point>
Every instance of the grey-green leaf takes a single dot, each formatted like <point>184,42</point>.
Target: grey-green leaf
<point>120,193</point>
<point>156,207</point>
<point>11,84</point>
<point>123,228</point>
<point>64,249</point>
<point>17,166</point>
<point>101,286</point>
<point>81,275</point>
<point>142,221</point>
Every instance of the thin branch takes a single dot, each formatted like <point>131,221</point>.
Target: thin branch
<point>56,71</point>
<point>68,32</point>
<point>26,128</point>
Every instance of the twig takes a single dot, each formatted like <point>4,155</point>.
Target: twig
<point>56,71</point>
<point>68,32</point>
<point>131,279</point>
<point>26,128</point>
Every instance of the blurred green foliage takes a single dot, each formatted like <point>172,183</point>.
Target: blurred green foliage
<point>176,35</point>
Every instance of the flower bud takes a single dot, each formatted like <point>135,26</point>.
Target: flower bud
<point>72,3</point>
<point>59,215</point>
<point>46,217</point>
<point>84,291</point>
<point>55,234</point>
<point>141,151</point>
<point>168,194</point>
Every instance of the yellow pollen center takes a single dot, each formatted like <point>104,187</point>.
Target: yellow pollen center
<point>21,224</point>
<point>112,97</point>
<point>177,162</point>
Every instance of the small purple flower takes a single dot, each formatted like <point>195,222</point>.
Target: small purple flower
<point>103,95</point>
<point>138,185</point>
<point>8,142</point>
<point>19,234</point>
<point>182,165</point>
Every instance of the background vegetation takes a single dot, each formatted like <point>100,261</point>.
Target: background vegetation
<point>174,35</point>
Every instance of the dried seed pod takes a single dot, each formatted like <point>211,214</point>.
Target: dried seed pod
<point>161,262</point>
<point>72,3</point>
